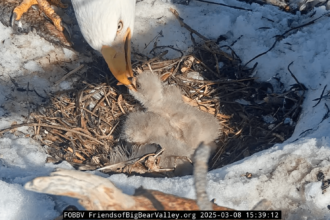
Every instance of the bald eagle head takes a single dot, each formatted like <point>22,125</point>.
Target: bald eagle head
<point>107,26</point>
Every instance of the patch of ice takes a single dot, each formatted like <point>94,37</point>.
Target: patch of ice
<point>69,54</point>
<point>33,66</point>
<point>243,102</point>
<point>195,75</point>
<point>269,119</point>
<point>65,85</point>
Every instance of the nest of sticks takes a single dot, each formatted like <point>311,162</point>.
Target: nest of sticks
<point>83,125</point>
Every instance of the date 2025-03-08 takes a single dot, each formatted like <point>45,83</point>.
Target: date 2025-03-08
<point>172,214</point>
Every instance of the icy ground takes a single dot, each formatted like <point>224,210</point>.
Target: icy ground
<point>284,174</point>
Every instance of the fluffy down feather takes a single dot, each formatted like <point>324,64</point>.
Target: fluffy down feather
<point>176,126</point>
<point>194,125</point>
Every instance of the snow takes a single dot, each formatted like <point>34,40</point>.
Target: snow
<point>284,174</point>
<point>277,173</point>
<point>21,160</point>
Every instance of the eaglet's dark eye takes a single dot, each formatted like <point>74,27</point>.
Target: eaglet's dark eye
<point>120,26</point>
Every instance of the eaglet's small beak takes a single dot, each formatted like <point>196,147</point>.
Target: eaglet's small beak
<point>118,58</point>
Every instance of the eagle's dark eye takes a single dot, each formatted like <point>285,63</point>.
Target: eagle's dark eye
<point>120,26</point>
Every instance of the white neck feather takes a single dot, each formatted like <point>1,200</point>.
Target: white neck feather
<point>98,19</point>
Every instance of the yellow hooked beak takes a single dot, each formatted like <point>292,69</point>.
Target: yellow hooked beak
<point>118,58</point>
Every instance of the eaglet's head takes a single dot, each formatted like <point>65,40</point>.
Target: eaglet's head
<point>149,89</point>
